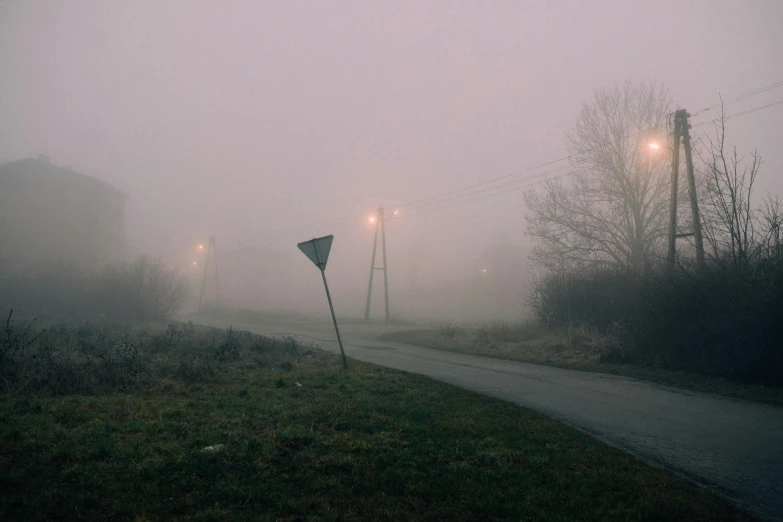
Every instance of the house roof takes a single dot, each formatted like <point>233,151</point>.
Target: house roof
<point>36,170</point>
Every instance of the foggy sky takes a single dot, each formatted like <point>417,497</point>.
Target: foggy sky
<point>259,121</point>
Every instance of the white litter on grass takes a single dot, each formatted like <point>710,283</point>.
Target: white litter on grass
<point>298,384</point>
<point>209,449</point>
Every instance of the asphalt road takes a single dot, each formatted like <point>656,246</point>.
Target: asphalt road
<point>732,447</point>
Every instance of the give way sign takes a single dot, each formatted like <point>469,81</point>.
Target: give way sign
<point>317,250</point>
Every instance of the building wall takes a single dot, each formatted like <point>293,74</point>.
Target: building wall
<point>50,216</point>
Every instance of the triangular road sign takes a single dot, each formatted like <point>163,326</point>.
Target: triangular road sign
<point>317,250</point>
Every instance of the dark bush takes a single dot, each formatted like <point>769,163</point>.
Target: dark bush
<point>132,291</point>
<point>718,321</point>
<point>56,290</point>
<point>599,298</point>
<point>141,291</point>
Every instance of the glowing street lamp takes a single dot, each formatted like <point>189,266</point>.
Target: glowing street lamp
<point>657,145</point>
<point>372,219</point>
<point>201,247</point>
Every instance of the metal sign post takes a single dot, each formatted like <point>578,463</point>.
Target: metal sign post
<point>317,250</point>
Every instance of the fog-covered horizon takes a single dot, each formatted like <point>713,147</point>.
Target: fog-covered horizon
<point>268,123</point>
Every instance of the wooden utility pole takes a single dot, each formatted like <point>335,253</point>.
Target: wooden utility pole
<point>380,224</point>
<point>211,248</point>
<point>385,273</point>
<point>681,130</point>
<point>686,141</point>
<point>673,201</point>
<point>372,270</point>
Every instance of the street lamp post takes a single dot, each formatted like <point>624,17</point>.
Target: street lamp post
<point>681,126</point>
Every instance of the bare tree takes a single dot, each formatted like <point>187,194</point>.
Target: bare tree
<point>613,208</point>
<point>771,217</point>
<point>732,227</point>
<point>143,290</point>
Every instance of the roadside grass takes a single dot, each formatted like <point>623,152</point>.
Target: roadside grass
<point>82,358</point>
<point>253,316</point>
<point>575,348</point>
<point>366,443</point>
<point>223,314</point>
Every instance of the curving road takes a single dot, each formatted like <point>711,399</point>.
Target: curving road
<point>732,447</point>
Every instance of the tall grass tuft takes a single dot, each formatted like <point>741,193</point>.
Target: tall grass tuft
<point>71,358</point>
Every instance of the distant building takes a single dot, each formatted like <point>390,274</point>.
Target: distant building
<point>53,215</point>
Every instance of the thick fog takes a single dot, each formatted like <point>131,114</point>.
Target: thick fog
<point>268,123</point>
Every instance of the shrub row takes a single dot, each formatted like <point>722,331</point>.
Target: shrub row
<point>141,290</point>
<point>718,321</point>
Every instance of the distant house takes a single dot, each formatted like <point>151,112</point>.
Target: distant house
<point>53,215</point>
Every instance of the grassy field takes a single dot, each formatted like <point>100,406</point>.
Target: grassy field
<point>303,439</point>
<point>575,348</point>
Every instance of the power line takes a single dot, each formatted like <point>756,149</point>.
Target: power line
<point>455,201</point>
<point>508,184</point>
<point>488,181</point>
<point>528,185</point>
<point>780,83</point>
<point>748,94</point>
<point>756,109</point>
<point>282,232</point>
<point>743,113</point>
<point>582,153</point>
<point>480,198</point>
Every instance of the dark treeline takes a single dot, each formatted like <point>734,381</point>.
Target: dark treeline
<point>604,240</point>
